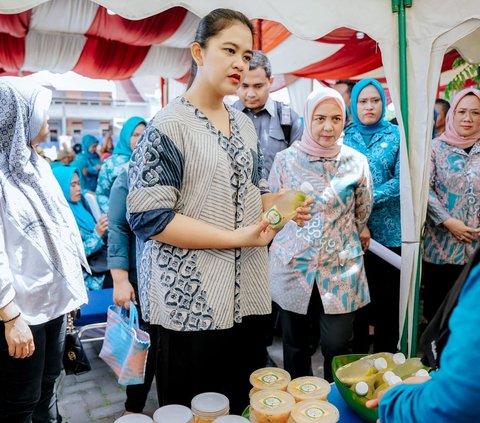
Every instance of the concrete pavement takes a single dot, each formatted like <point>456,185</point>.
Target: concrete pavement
<point>95,396</point>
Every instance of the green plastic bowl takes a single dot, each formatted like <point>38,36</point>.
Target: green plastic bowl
<point>355,402</point>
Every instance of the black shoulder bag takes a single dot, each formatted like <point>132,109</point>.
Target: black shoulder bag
<point>75,361</point>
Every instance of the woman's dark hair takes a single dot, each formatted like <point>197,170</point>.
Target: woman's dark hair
<point>212,24</point>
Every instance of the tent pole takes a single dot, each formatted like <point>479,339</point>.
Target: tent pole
<point>399,6</point>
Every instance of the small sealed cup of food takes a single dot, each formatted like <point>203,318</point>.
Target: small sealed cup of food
<point>206,407</point>
<point>271,406</point>
<point>270,378</point>
<point>309,387</point>
<point>314,411</point>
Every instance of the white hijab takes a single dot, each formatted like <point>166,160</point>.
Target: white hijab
<point>33,200</point>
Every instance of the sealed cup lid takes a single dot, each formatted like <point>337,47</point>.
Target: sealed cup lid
<point>271,402</point>
<point>134,418</point>
<point>173,414</point>
<point>210,403</point>
<point>270,378</point>
<point>315,411</point>
<point>231,419</point>
<point>308,387</point>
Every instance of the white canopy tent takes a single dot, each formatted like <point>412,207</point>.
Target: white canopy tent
<point>432,27</point>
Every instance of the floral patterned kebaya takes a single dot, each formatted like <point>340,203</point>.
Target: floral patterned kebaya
<point>326,252</point>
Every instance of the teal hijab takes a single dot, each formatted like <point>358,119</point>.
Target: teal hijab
<point>123,145</point>
<point>84,218</point>
<point>367,130</point>
<point>87,142</point>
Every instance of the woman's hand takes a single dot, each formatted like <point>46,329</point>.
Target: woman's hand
<point>258,235</point>
<point>373,403</point>
<point>102,225</point>
<point>460,231</point>
<point>365,238</point>
<point>123,293</point>
<point>304,212</point>
<point>19,338</point>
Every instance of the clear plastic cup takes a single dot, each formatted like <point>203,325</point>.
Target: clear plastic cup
<point>208,406</point>
<point>270,378</point>
<point>271,406</point>
<point>309,387</point>
<point>252,391</point>
<point>314,411</point>
<point>173,414</point>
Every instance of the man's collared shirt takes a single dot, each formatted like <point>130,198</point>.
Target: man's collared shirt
<point>268,126</point>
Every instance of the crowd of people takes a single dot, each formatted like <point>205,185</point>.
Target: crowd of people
<point>181,232</point>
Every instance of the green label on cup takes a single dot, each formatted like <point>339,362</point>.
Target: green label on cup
<point>269,378</point>
<point>273,216</point>
<point>272,402</point>
<point>308,387</point>
<point>314,412</point>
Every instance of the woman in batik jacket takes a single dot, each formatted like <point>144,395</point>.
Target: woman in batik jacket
<point>453,219</point>
<point>196,195</point>
<point>316,272</point>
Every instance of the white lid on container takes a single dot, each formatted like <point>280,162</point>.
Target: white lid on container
<point>173,414</point>
<point>306,187</point>
<point>308,387</point>
<point>399,358</point>
<point>134,418</point>
<point>271,402</point>
<point>387,376</point>
<point>312,411</point>
<point>230,419</point>
<point>210,403</point>
<point>380,363</point>
<point>421,373</point>
<point>270,378</point>
<point>361,388</point>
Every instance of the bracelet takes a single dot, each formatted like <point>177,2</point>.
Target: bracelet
<point>13,318</point>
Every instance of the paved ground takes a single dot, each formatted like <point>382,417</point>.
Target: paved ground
<point>97,397</point>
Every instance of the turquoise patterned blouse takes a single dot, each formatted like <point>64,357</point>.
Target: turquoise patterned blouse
<point>92,242</point>
<point>383,155</point>
<point>111,168</point>
<point>327,250</point>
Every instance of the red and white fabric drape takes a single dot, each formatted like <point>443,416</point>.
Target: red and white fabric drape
<point>81,35</point>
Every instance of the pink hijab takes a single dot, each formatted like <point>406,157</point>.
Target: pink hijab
<point>308,144</point>
<point>450,136</point>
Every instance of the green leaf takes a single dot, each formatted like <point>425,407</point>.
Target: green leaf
<point>459,61</point>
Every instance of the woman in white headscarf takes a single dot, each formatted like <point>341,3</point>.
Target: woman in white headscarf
<point>41,254</point>
<point>316,272</point>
